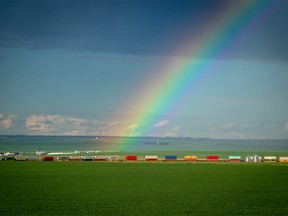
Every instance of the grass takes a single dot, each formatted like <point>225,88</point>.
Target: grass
<point>90,188</point>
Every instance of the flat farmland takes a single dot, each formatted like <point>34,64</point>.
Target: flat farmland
<point>123,188</point>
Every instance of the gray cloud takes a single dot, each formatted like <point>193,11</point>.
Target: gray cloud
<point>135,27</point>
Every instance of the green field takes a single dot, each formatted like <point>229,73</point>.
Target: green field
<point>123,188</point>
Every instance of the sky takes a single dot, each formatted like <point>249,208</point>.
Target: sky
<point>92,67</point>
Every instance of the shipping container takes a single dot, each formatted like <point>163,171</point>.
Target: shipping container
<point>235,158</point>
<point>47,158</point>
<point>32,158</point>
<point>190,158</point>
<point>20,158</point>
<point>63,158</point>
<point>270,159</point>
<point>212,158</point>
<point>131,158</point>
<point>9,158</point>
<point>151,158</point>
<point>87,158</point>
<point>75,158</point>
<point>112,158</point>
<point>283,159</point>
<point>100,158</point>
<point>170,157</point>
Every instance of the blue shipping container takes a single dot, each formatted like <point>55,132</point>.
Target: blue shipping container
<point>170,157</point>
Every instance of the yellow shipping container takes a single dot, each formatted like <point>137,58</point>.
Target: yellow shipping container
<point>283,159</point>
<point>190,157</point>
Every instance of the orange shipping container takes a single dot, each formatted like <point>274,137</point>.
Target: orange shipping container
<point>283,159</point>
<point>190,158</point>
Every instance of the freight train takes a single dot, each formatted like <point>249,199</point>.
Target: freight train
<point>147,158</point>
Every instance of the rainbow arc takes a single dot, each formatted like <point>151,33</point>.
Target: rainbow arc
<point>179,77</point>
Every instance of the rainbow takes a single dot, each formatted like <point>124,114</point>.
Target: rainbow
<point>183,75</point>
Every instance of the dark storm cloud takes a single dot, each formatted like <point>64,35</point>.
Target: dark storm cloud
<point>128,27</point>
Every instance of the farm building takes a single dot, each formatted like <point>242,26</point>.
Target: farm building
<point>100,158</point>
<point>249,159</point>
<point>11,153</point>
<point>112,158</point>
<point>47,158</point>
<point>283,159</point>
<point>253,159</point>
<point>212,158</point>
<point>131,158</point>
<point>151,158</point>
<point>32,158</point>
<point>171,158</point>
<point>40,152</point>
<point>87,158</point>
<point>63,158</point>
<point>235,158</point>
<point>190,158</point>
<point>257,159</point>
<point>270,159</point>
<point>75,158</point>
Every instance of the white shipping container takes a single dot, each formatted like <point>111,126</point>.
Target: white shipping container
<point>100,157</point>
<point>112,158</point>
<point>63,158</point>
<point>87,158</point>
<point>270,158</point>
<point>20,158</point>
<point>151,157</point>
<point>75,158</point>
<point>235,157</point>
<point>32,158</point>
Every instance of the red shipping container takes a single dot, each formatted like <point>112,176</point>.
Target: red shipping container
<point>212,157</point>
<point>131,158</point>
<point>47,158</point>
